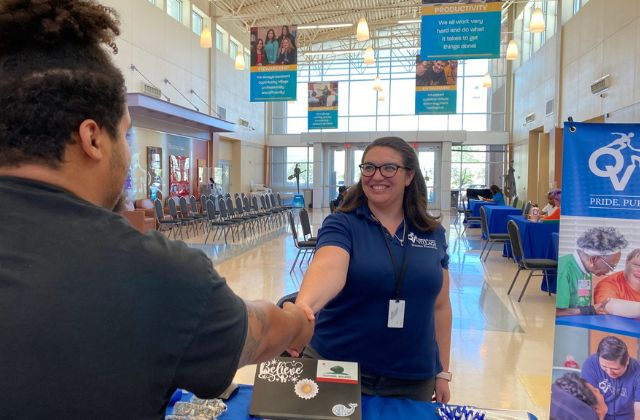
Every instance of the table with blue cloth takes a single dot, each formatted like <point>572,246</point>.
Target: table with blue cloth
<point>497,217</point>
<point>373,407</point>
<point>608,323</point>
<point>538,242</point>
<point>474,207</point>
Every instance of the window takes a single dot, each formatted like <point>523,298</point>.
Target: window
<point>174,9</point>
<point>219,40</point>
<point>284,161</point>
<point>233,49</point>
<point>152,2</point>
<point>197,22</point>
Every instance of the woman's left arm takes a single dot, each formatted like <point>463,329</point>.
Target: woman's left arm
<point>443,336</point>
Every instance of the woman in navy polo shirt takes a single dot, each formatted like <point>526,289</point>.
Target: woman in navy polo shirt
<point>379,281</point>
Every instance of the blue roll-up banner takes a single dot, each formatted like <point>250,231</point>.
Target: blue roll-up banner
<point>460,31</point>
<point>273,64</point>
<point>436,86</point>
<point>598,282</point>
<point>323,105</point>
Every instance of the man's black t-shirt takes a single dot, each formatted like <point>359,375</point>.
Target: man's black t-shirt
<point>98,321</point>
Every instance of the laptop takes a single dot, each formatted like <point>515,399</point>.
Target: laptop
<point>292,389</point>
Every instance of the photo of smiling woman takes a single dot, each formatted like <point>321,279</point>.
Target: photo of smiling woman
<point>379,281</point>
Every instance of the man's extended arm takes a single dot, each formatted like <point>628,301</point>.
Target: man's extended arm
<point>272,330</point>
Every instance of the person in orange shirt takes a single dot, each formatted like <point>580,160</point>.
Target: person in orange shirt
<point>619,293</point>
<point>555,214</point>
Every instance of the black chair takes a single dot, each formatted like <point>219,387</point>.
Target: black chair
<point>468,216</point>
<point>186,217</point>
<point>164,223</point>
<point>515,202</point>
<point>526,208</point>
<point>543,265</point>
<point>213,222</point>
<point>491,237</point>
<point>303,246</point>
<point>307,234</point>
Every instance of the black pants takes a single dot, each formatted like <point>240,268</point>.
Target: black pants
<point>384,386</point>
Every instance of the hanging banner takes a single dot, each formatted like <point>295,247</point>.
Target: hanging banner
<point>460,31</point>
<point>436,89</point>
<point>598,284</point>
<point>273,64</point>
<point>323,105</point>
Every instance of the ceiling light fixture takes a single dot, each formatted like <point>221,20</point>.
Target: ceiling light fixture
<point>205,38</point>
<point>362,31</point>
<point>512,50</point>
<point>409,21</point>
<point>369,57</point>
<point>380,96</point>
<point>486,80</point>
<point>536,24</point>
<point>239,64</point>
<point>377,84</point>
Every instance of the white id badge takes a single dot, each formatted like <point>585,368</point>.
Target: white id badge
<point>396,314</point>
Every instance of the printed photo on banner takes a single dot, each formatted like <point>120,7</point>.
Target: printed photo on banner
<point>436,89</point>
<point>436,73</point>
<point>272,46</point>
<point>323,105</point>
<point>323,94</point>
<point>595,376</point>
<point>274,58</point>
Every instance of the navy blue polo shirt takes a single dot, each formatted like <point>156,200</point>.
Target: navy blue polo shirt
<point>353,325</point>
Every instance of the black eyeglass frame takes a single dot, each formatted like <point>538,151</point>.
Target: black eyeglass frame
<point>379,168</point>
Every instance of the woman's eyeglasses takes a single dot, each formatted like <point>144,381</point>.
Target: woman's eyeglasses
<point>609,266</point>
<point>388,170</point>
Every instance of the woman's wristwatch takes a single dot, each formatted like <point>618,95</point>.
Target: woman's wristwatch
<point>447,376</point>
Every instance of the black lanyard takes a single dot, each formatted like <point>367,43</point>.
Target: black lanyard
<point>399,276</point>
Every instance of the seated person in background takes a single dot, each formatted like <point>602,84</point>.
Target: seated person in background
<point>551,204</point>
<point>497,198</point>
<point>342,191</point>
<point>574,398</point>
<point>555,214</point>
<point>599,250</point>
<point>619,293</point>
<point>117,320</point>
<point>617,376</point>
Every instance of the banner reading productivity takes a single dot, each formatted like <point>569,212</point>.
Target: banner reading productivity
<point>460,31</point>
<point>598,284</point>
<point>273,64</point>
<point>323,105</point>
<point>436,90</point>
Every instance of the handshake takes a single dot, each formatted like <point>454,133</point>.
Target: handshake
<point>303,315</point>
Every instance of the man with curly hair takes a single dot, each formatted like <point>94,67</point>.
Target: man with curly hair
<point>598,253</point>
<point>572,397</point>
<point>98,321</point>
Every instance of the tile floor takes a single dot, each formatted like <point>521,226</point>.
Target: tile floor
<point>501,349</point>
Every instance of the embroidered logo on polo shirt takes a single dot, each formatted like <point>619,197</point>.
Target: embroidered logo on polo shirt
<point>421,242</point>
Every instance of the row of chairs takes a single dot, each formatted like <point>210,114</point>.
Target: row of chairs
<point>255,215</point>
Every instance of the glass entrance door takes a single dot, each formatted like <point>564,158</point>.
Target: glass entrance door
<point>429,160</point>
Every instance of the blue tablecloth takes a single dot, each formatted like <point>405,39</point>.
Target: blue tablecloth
<point>608,323</point>
<point>497,217</point>
<point>474,207</point>
<point>373,408</point>
<point>538,242</point>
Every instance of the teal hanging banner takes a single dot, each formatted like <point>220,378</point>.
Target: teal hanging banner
<point>460,31</point>
<point>436,86</point>
<point>274,64</point>
<point>323,105</point>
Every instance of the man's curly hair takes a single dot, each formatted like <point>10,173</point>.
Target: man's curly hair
<point>55,73</point>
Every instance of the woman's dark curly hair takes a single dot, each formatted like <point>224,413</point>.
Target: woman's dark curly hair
<point>415,194</point>
<point>573,384</point>
<point>54,74</point>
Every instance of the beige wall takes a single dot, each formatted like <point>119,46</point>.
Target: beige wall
<point>603,38</point>
<point>162,48</point>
